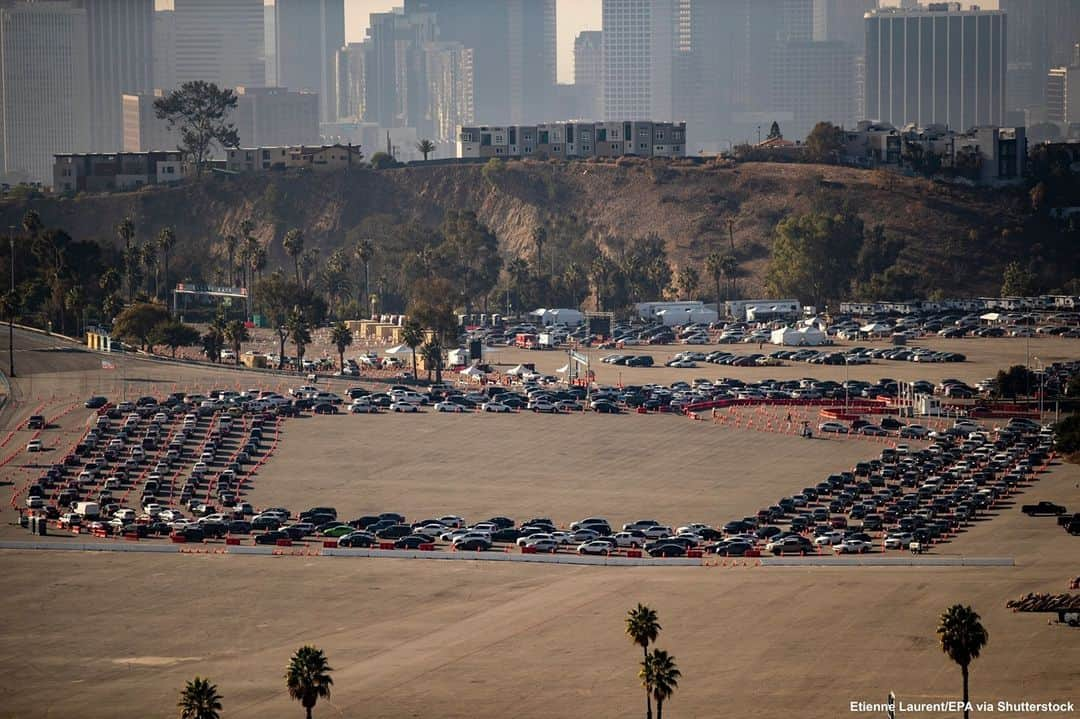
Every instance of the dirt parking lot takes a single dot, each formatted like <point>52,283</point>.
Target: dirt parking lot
<point>117,635</point>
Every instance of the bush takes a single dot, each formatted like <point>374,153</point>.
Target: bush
<point>1067,434</point>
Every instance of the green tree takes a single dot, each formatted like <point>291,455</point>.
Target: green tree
<point>382,161</point>
<point>658,670</point>
<point>813,256</point>
<point>1067,434</point>
<point>232,244</point>
<point>308,677</point>
<point>962,638</point>
<point>137,322</point>
<point>689,281</point>
<point>432,352</point>
<point>294,247</point>
<point>572,278</point>
<point>365,251</point>
<point>824,142</point>
<point>125,231</point>
<point>425,148</point>
<point>1017,381</point>
<point>601,273</point>
<point>174,335</point>
<point>412,336</point>
<point>341,337</point>
<point>469,256</point>
<point>299,333</point>
<point>201,112</point>
<point>309,260</point>
<point>774,132</point>
<point>1017,281</point>
<point>539,237</point>
<point>236,333</point>
<point>642,626</point>
<point>199,700</point>
<point>166,243</point>
<point>431,304</point>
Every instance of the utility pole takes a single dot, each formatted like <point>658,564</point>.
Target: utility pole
<point>11,314</point>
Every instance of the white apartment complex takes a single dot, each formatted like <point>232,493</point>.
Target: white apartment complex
<point>574,140</point>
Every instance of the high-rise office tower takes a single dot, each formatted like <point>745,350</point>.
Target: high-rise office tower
<point>936,65</point>
<point>448,67</point>
<point>164,43</point>
<point>120,45</point>
<point>270,44</point>
<point>44,86</point>
<point>514,52</point>
<point>646,54</point>
<point>395,85</point>
<point>842,21</point>
<point>308,34</point>
<point>589,74</point>
<point>269,116</point>
<point>814,82</point>
<point>350,80</point>
<point>1042,34</point>
<point>220,41</point>
<point>1063,95</point>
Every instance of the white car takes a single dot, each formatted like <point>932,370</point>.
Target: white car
<point>430,530</point>
<point>402,406</point>
<point>452,520</point>
<point>543,545</point>
<point>696,340</point>
<point>449,407</point>
<point>899,541</point>
<point>834,427</point>
<point>363,408</point>
<point>829,538</point>
<point>852,546</point>
<point>34,445</point>
<point>634,538</point>
<point>451,535</point>
<point>34,502</point>
<point>657,531</point>
<point>495,407</point>
<point>542,405</point>
<point>914,431</point>
<point>536,536</point>
<point>594,547</point>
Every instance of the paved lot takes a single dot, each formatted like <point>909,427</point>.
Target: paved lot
<point>109,635</point>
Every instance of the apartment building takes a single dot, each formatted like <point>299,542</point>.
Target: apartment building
<point>245,160</point>
<point>574,140</point>
<point>102,172</point>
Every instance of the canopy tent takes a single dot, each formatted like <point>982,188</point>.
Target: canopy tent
<point>802,337</point>
<point>875,328</point>
<point>399,350</point>
<point>991,317</point>
<point>517,371</point>
<point>564,369</point>
<point>472,372</point>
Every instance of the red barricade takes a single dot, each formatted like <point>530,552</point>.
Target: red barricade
<point>386,545</point>
<point>633,553</point>
<point>284,542</point>
<point>329,544</point>
<point>427,547</point>
<point>528,550</point>
<point>232,541</point>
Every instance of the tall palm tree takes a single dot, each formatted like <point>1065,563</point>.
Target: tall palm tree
<point>715,271</point>
<point>166,241</point>
<point>572,280</point>
<point>730,267</point>
<point>110,280</point>
<point>539,238</point>
<point>232,243</point>
<point>425,148</point>
<point>643,627</point>
<point>148,255</point>
<point>413,336</point>
<point>236,333</point>
<point>300,333</point>
<point>432,352</point>
<point>658,670</point>
<point>962,638</point>
<point>308,262</point>
<point>199,700</point>
<point>294,246</point>
<point>74,300</point>
<point>689,279</point>
<point>308,677</point>
<point>341,337</point>
<point>365,250</point>
<point>600,272</point>
<point>125,231</point>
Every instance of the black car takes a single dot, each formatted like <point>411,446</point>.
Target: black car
<point>668,550</point>
<point>413,541</point>
<point>475,544</point>
<point>96,402</point>
<point>239,526</point>
<point>502,522</point>
<point>325,408</point>
<point>395,531</point>
<point>271,537</point>
<point>357,540</point>
<point>267,523</point>
<point>191,534</point>
<point>605,407</point>
<point>507,535</point>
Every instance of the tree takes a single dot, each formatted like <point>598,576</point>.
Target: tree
<point>432,352</point>
<point>539,237</point>
<point>469,256</point>
<point>600,273</point>
<point>174,335</point>
<point>659,670</point>
<point>201,110</point>
<point>382,161</point>
<point>341,337</point>
<point>308,677</point>
<point>309,260</point>
<point>643,627</point>
<point>962,638</point>
<point>813,256</point>
<point>299,333</point>
<point>232,243</point>
<point>1017,281</point>
<point>294,247</point>
<point>1067,433</point>
<point>824,142</point>
<point>431,305</point>
<point>425,148</point>
<point>199,700</point>
<point>412,337</point>
<point>125,231</point>
<point>214,339</point>
<point>136,323</point>
<point>365,251</point>
<point>236,333</point>
<point>689,281</point>
<point>166,242</point>
<point>774,132</point>
<point>1017,381</point>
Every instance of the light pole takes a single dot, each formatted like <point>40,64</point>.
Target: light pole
<point>11,312</point>
<point>1042,385</point>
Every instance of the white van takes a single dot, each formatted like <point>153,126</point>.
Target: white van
<point>88,509</point>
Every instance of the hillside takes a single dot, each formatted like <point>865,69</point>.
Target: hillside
<point>958,240</point>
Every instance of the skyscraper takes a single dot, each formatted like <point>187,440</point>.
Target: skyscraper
<point>350,79</point>
<point>269,116</point>
<point>164,49</point>
<point>308,34</point>
<point>220,41</point>
<point>1042,34</point>
<point>814,82</point>
<point>270,44</point>
<point>936,65</point>
<point>514,52</point>
<point>589,74</point>
<point>44,83</point>
<point>120,45</point>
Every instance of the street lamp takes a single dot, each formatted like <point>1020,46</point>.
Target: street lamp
<point>11,310</point>
<point>1042,384</point>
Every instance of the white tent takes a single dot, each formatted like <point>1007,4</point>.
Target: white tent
<point>991,317</point>
<point>399,350</point>
<point>564,369</point>
<point>802,337</point>
<point>875,328</point>
<point>472,372</point>
<point>517,371</point>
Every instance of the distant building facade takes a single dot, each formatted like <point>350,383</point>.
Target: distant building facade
<point>142,130</point>
<point>574,140</point>
<point>318,157</point>
<point>589,74</point>
<point>351,82</point>
<point>936,65</point>
<point>101,172</point>
<point>308,34</point>
<point>44,86</point>
<point>1063,95</point>
<point>814,81</point>
<point>267,116</point>
<point>219,41</point>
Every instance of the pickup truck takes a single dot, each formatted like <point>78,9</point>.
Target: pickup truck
<point>1042,508</point>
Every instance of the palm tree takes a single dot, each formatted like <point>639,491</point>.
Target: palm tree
<point>713,266</point>
<point>365,250</point>
<point>433,358</point>
<point>413,336</point>
<point>572,280</point>
<point>294,246</point>
<point>689,281</point>
<point>425,148</point>
<point>341,337</point>
<point>308,677</point>
<point>308,261</point>
<point>236,333</point>
<point>299,333</point>
<point>658,670</point>
<point>643,627</point>
<point>232,243</point>
<point>600,273</point>
<point>962,638</point>
<point>730,267</point>
<point>539,237</point>
<point>32,224</point>
<point>73,302</point>
<point>125,230</point>
<point>199,700</point>
<point>110,280</point>
<point>166,241</point>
